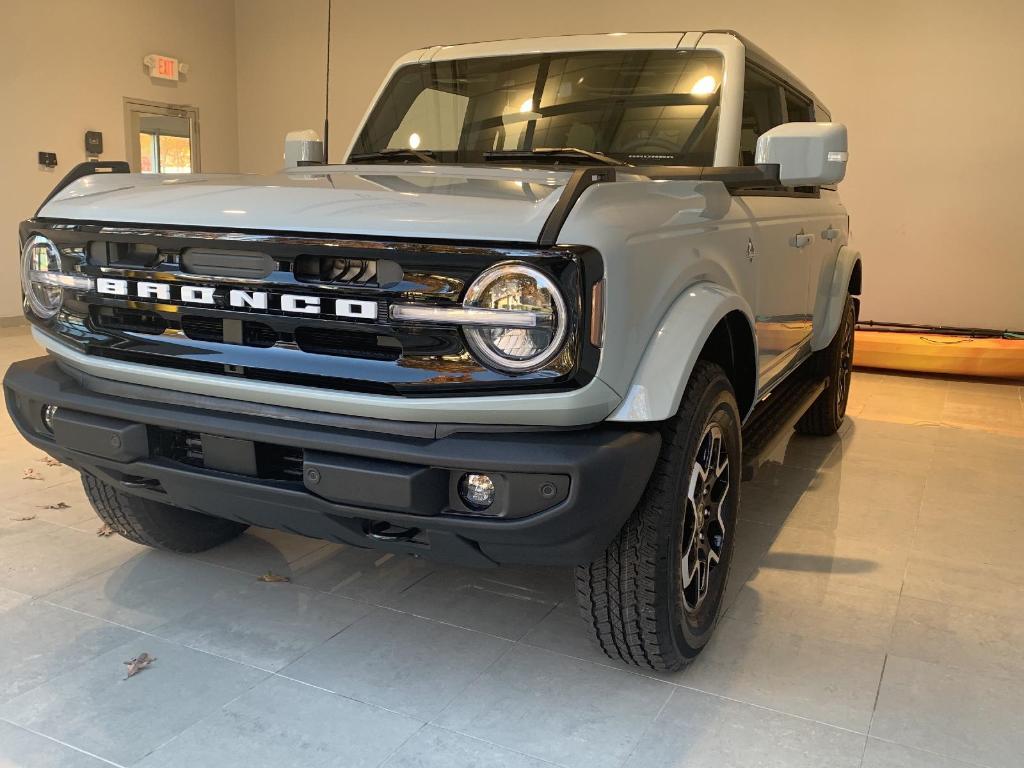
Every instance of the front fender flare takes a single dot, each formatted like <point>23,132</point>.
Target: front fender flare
<point>657,387</point>
<point>829,307</point>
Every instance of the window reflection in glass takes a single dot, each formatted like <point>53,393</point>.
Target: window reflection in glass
<point>636,106</point>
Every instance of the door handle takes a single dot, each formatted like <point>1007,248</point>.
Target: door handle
<point>802,240</point>
<point>830,234</point>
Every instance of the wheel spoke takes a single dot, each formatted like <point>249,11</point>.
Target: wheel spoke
<point>697,478</point>
<point>715,454</point>
<point>703,523</point>
<point>690,570</point>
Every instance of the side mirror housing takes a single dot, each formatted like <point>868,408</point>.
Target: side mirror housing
<point>808,154</point>
<point>303,148</point>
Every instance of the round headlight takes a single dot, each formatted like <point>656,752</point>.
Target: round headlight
<point>40,258</point>
<point>540,320</point>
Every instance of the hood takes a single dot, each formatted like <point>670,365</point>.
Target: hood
<point>442,202</point>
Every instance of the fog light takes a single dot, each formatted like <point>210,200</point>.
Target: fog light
<point>49,411</point>
<point>476,491</point>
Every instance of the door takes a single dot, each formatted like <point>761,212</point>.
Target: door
<point>782,238</point>
<point>161,138</point>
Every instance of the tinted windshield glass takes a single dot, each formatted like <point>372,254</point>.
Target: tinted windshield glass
<point>635,106</point>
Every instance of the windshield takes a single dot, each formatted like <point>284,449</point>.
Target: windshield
<point>648,107</point>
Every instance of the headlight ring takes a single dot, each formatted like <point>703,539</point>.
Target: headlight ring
<point>40,276</point>
<point>518,288</point>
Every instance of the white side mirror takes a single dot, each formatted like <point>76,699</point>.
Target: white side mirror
<point>303,148</point>
<point>808,154</point>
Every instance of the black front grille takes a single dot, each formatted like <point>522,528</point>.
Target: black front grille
<point>327,341</point>
<point>202,328</point>
<point>132,320</point>
<point>311,339</point>
<point>256,337</point>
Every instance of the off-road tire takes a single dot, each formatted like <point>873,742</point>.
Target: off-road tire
<point>633,596</point>
<point>826,415</point>
<point>157,525</point>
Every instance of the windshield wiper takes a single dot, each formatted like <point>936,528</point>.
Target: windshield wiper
<point>398,155</point>
<point>555,153</point>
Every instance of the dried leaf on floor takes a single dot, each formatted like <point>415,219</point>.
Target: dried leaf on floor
<point>58,505</point>
<point>23,518</point>
<point>50,461</point>
<point>106,530</point>
<point>138,664</point>
<point>272,577</point>
<point>31,474</point>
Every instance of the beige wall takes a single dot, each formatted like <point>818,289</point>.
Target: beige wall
<point>65,67</point>
<point>930,90</point>
<point>281,64</point>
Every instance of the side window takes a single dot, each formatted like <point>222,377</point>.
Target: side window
<point>762,110</point>
<point>798,109</point>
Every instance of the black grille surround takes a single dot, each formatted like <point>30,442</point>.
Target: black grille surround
<point>374,355</point>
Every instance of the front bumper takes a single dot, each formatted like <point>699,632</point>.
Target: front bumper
<point>563,494</point>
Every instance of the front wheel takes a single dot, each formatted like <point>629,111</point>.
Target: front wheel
<point>157,525</point>
<point>654,598</point>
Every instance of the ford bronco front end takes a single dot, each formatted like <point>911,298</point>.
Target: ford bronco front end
<point>525,322</point>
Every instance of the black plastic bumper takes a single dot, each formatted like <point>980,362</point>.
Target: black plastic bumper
<point>562,495</point>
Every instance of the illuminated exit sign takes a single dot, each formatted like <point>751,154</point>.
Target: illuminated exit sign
<point>162,67</point>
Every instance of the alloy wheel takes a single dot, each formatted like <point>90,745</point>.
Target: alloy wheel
<point>703,540</point>
<point>845,368</point>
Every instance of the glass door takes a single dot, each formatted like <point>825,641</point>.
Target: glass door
<point>161,138</point>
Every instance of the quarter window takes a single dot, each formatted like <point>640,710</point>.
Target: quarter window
<point>798,109</point>
<point>762,111</point>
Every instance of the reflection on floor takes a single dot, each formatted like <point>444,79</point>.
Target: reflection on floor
<point>875,618</point>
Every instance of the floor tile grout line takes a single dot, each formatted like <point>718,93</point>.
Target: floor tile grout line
<point>394,750</point>
<point>479,676</point>
<point>649,726</point>
<point>874,704</point>
<point>488,742</point>
<point>931,752</point>
<point>205,717</point>
<point>320,645</point>
<point>154,633</point>
<point>640,673</point>
<point>346,696</point>
<point>84,662</point>
<point>155,636</point>
<point>55,740</point>
<point>453,625</point>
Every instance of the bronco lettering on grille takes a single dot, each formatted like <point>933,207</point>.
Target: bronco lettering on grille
<point>239,299</point>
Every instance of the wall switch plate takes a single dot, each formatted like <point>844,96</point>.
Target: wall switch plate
<point>93,143</point>
<point>48,159</point>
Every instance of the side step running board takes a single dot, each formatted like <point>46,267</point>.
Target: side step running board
<point>774,418</point>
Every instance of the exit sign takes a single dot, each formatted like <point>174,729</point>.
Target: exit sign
<point>163,67</point>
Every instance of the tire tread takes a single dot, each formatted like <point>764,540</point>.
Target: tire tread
<point>157,525</point>
<point>617,593</point>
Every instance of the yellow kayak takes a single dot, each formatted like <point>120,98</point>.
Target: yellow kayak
<point>956,355</point>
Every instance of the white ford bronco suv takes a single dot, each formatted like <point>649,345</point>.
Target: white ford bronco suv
<point>550,310</point>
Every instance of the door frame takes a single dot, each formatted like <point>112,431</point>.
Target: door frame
<point>135,107</point>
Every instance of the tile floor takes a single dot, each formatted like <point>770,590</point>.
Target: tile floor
<point>875,618</point>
